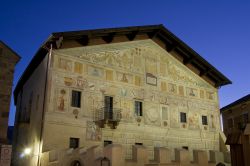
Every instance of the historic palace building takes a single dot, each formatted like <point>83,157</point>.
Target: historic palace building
<point>132,86</point>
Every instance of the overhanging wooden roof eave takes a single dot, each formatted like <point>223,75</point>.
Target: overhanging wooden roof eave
<point>157,29</point>
<point>235,103</point>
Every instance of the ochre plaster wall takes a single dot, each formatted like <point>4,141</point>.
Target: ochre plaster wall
<point>129,71</point>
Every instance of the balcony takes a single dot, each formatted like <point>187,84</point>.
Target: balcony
<point>109,116</point>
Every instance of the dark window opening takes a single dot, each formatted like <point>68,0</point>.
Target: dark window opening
<point>137,143</point>
<point>76,99</point>
<point>107,142</point>
<point>183,117</point>
<point>74,143</point>
<point>185,147</point>
<point>204,120</point>
<point>138,108</point>
<point>108,107</point>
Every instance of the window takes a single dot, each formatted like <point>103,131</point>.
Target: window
<point>107,142</point>
<point>138,108</point>
<point>137,143</point>
<point>183,117</point>
<point>185,147</point>
<point>204,120</point>
<point>74,143</point>
<point>108,107</point>
<point>76,99</point>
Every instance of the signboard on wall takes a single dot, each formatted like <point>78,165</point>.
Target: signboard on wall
<point>151,79</point>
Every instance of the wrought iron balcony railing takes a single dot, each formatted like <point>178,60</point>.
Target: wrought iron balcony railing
<point>106,115</point>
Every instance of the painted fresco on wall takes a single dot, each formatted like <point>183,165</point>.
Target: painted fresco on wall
<point>138,93</point>
<point>81,82</point>
<point>172,88</point>
<point>181,90</point>
<point>193,120</point>
<point>93,132</point>
<point>192,92</point>
<point>163,69</point>
<point>151,95</point>
<point>124,77</point>
<point>202,94</point>
<point>91,86</point>
<point>163,99</point>
<point>123,92</point>
<point>78,67</point>
<point>138,65</point>
<point>210,95</point>
<point>174,117</point>
<point>214,121</point>
<point>164,113</point>
<point>163,86</point>
<point>138,81</point>
<point>132,56</point>
<point>61,99</point>
<point>109,75</point>
<point>65,64</point>
<point>126,109</point>
<point>95,71</point>
<point>68,81</point>
<point>152,114</point>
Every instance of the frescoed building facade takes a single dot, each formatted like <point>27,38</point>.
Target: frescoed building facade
<point>128,86</point>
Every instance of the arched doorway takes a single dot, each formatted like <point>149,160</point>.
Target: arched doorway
<point>76,163</point>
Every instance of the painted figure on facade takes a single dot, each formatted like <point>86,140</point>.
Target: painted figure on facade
<point>61,100</point>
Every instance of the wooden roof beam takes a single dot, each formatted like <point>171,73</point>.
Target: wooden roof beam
<point>153,34</point>
<point>108,38</point>
<point>171,47</point>
<point>204,72</point>
<point>131,36</point>
<point>188,60</point>
<point>84,40</point>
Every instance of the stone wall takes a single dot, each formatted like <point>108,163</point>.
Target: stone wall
<point>129,71</point>
<point>8,61</point>
<point>28,119</point>
<point>114,155</point>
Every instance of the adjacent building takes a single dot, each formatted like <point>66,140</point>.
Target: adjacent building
<point>8,60</point>
<point>236,115</point>
<point>236,126</point>
<point>138,86</point>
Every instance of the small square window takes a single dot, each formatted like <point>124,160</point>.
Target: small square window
<point>74,143</point>
<point>76,99</point>
<point>204,120</point>
<point>138,108</point>
<point>183,117</point>
<point>107,142</point>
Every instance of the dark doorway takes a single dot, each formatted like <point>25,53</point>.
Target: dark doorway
<point>76,163</point>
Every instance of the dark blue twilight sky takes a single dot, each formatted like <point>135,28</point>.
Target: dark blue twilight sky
<point>219,30</point>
